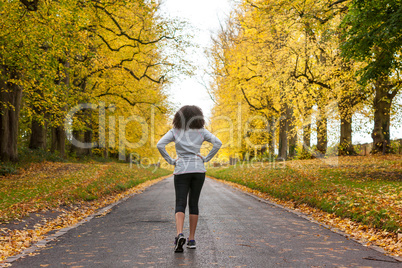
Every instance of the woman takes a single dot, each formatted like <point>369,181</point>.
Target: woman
<point>188,133</point>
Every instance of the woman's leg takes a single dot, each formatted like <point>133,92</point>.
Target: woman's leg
<point>197,181</point>
<point>193,226</point>
<point>181,186</point>
<point>179,222</point>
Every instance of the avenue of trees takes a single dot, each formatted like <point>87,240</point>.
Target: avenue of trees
<point>283,71</point>
<point>282,66</point>
<point>55,55</point>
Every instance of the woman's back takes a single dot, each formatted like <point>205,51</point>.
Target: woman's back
<point>188,144</point>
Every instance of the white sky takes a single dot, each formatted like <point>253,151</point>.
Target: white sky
<point>206,16</point>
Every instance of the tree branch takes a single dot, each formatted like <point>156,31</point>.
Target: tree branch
<point>132,103</point>
<point>160,80</point>
<point>337,2</point>
<point>138,78</point>
<point>123,33</point>
<point>396,87</point>
<point>248,102</point>
<point>110,47</point>
<point>252,77</point>
<point>310,80</point>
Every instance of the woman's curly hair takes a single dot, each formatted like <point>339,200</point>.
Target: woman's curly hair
<point>189,116</point>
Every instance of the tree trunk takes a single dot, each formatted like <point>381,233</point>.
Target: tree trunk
<point>307,132</point>
<point>283,135</point>
<point>58,140</point>
<point>306,136</point>
<point>292,145</point>
<point>105,152</point>
<point>292,133</point>
<point>88,139</point>
<point>88,134</point>
<point>38,130</point>
<point>272,136</point>
<point>74,149</point>
<point>58,132</point>
<point>10,105</point>
<point>322,133</point>
<point>38,135</point>
<point>382,106</point>
<point>345,142</point>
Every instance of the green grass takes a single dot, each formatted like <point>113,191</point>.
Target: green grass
<point>365,189</point>
<point>47,185</point>
<point>28,156</point>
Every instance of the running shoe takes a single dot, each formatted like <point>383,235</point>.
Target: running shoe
<point>179,242</point>
<point>190,243</point>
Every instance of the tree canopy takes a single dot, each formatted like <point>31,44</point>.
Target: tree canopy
<point>287,64</point>
<point>57,55</point>
<point>373,34</point>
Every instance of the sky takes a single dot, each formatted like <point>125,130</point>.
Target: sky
<point>205,17</point>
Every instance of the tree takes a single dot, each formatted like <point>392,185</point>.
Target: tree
<point>11,73</point>
<point>56,55</point>
<point>373,36</point>
<point>283,58</point>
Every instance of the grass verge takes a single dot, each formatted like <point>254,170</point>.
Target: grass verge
<point>48,185</point>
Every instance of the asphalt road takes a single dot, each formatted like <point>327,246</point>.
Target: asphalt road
<point>234,230</point>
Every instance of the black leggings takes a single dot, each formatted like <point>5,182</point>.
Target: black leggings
<point>188,184</point>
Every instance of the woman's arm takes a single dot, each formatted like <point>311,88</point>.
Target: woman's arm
<point>208,136</point>
<point>166,139</point>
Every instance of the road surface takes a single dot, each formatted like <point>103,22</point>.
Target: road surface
<point>234,230</point>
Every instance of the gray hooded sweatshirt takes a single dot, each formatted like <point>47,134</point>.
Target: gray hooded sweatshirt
<point>188,143</point>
